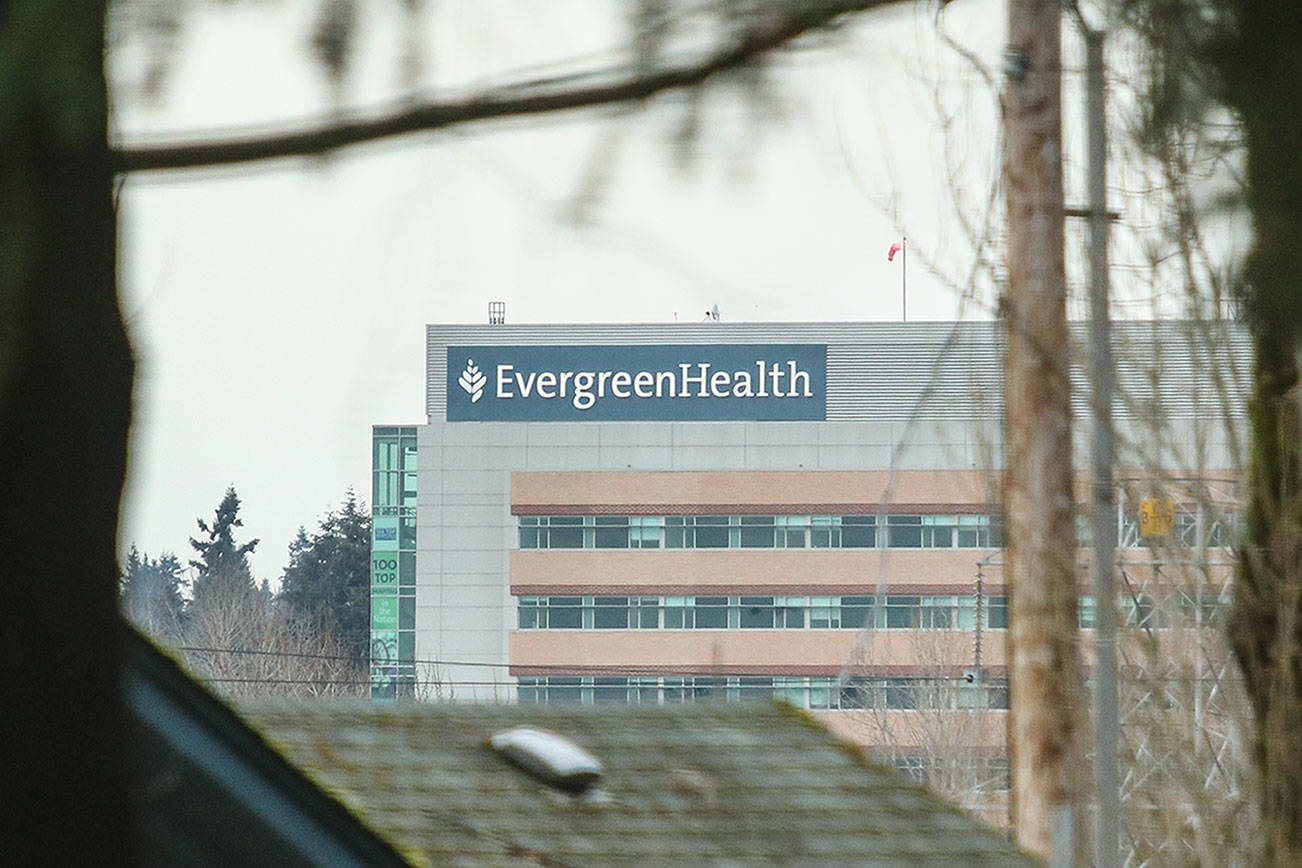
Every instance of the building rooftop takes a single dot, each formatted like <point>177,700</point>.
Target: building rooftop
<point>702,784</point>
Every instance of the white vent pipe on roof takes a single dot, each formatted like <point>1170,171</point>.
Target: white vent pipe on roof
<point>553,759</point>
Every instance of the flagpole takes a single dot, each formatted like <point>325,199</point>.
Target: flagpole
<point>904,278</point>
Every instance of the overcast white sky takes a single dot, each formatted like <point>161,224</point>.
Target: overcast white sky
<point>278,312</point>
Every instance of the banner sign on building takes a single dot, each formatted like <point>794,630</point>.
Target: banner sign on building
<point>658,383</point>
<point>384,530</point>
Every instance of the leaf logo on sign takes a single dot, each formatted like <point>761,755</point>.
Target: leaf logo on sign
<point>472,380</point>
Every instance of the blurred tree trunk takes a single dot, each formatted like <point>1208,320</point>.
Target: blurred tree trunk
<point>1261,69</point>
<point>1046,721</point>
<point>65,400</point>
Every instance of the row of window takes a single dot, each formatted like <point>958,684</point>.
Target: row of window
<point>850,612</point>
<point>824,531</point>
<point>900,693</point>
<point>759,531</point>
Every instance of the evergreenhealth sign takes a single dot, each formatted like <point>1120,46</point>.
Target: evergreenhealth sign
<point>689,382</point>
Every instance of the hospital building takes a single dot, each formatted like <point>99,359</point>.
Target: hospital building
<point>663,513</point>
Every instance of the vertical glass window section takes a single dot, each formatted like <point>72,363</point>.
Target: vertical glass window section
<point>711,613</point>
<point>825,531</point>
<point>678,613</point>
<point>644,690</point>
<point>678,533</point>
<point>409,489</point>
<point>857,612</point>
<point>904,531</point>
<point>711,532</point>
<point>709,687</point>
<point>645,531</point>
<point>824,613</point>
<point>564,613</point>
<point>997,612</point>
<point>915,768</point>
<point>532,536</point>
<point>757,531</point>
<point>969,695</point>
<point>386,453</point>
<point>643,613</point>
<point>409,453</point>
<point>529,690</point>
<point>407,531</point>
<point>855,692</point>
<point>407,569</point>
<point>406,613</point>
<point>531,612</point>
<point>1084,535</point>
<point>386,489</point>
<point>676,690</point>
<point>564,690</point>
<point>611,532</point>
<point>903,612</point>
<point>938,613</point>
<point>997,694</point>
<point>967,611</point>
<point>789,612</point>
<point>858,531</point>
<point>754,687</point>
<point>1086,613</point>
<point>902,693</point>
<point>756,613</point>
<point>821,692</point>
<point>791,690</point>
<point>938,531</point>
<point>972,532</point>
<point>564,531</point>
<point>978,532</point>
<point>792,531</point>
<point>610,613</point>
<point>610,690</point>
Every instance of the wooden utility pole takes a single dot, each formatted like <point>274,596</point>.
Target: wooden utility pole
<point>1046,720</point>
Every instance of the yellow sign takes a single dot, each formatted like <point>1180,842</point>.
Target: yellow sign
<point>1157,516</point>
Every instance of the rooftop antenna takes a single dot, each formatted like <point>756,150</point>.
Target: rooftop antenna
<point>497,313</point>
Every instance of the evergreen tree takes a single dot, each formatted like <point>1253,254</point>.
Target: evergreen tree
<point>151,593</point>
<point>223,565</point>
<point>328,577</point>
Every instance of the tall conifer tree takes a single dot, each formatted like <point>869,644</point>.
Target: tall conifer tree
<point>223,564</point>
<point>328,577</point>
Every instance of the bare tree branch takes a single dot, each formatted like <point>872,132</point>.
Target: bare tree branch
<point>603,87</point>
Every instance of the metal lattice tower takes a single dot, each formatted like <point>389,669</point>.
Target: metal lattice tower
<point>1182,707</point>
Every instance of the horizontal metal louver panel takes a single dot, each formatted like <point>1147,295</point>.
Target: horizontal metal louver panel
<point>892,372</point>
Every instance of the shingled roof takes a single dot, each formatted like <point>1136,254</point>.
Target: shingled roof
<point>701,784</point>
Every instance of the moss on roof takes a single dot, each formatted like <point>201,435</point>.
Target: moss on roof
<point>699,784</point>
